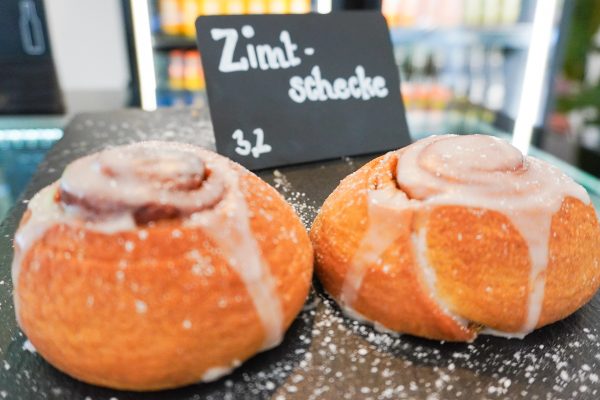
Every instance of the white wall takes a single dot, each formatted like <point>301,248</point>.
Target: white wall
<point>88,44</point>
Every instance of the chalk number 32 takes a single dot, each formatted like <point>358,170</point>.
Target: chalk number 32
<point>244,147</point>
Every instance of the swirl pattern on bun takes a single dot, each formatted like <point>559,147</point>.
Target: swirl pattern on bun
<point>156,265</point>
<point>455,235</point>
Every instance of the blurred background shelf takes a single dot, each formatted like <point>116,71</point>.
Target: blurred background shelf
<point>23,145</point>
<point>448,52</point>
<point>461,65</point>
<point>163,42</point>
<point>507,37</point>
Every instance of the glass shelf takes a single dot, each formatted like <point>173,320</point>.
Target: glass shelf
<point>24,142</point>
<point>513,36</point>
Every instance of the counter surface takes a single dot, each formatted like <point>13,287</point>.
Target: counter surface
<point>324,354</point>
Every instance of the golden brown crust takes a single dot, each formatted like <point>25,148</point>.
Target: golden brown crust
<point>153,318</point>
<point>573,274</point>
<point>480,261</point>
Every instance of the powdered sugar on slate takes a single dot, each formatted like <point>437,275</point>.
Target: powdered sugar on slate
<point>324,354</point>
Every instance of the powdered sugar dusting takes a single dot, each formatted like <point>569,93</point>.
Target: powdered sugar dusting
<point>306,208</point>
<point>141,307</point>
<point>484,172</point>
<point>325,355</point>
<point>28,346</point>
<point>347,359</point>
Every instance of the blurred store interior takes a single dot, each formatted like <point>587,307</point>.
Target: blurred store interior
<point>466,66</point>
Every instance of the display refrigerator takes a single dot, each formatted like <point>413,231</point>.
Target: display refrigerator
<point>465,65</point>
<point>31,104</point>
<point>478,63</point>
<point>165,64</point>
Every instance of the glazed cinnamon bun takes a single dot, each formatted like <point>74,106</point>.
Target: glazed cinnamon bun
<point>454,236</point>
<point>156,265</point>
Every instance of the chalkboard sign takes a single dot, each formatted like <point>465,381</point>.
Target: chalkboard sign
<point>287,89</point>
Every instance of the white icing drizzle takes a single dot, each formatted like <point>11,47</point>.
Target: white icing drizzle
<point>419,242</point>
<point>383,210</point>
<point>45,212</point>
<point>473,171</point>
<point>378,326</point>
<point>143,173</point>
<point>212,374</point>
<point>227,223</point>
<point>507,335</point>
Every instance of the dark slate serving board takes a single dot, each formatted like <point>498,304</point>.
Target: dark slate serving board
<point>324,355</point>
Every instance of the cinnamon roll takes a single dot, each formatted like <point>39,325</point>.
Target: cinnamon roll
<point>156,265</point>
<point>454,236</point>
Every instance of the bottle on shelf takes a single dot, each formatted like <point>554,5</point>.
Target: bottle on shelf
<point>161,68</point>
<point>179,74</point>
<point>401,57</point>
<point>190,11</point>
<point>299,6</point>
<point>592,62</point>
<point>155,15</point>
<point>176,70</point>
<point>473,12</point>
<point>426,14</point>
<point>400,54</point>
<point>419,82</point>
<point>391,11</point>
<point>449,13</point>
<point>510,12</point>
<point>235,7</point>
<point>170,17</point>
<point>456,77</point>
<point>420,76</point>
<point>428,84</point>
<point>440,94</point>
<point>408,13</point>
<point>477,84</point>
<point>212,7</point>
<point>279,7</point>
<point>193,76</point>
<point>257,6</point>
<point>175,96</point>
<point>406,74</point>
<point>491,13</point>
<point>495,91</point>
